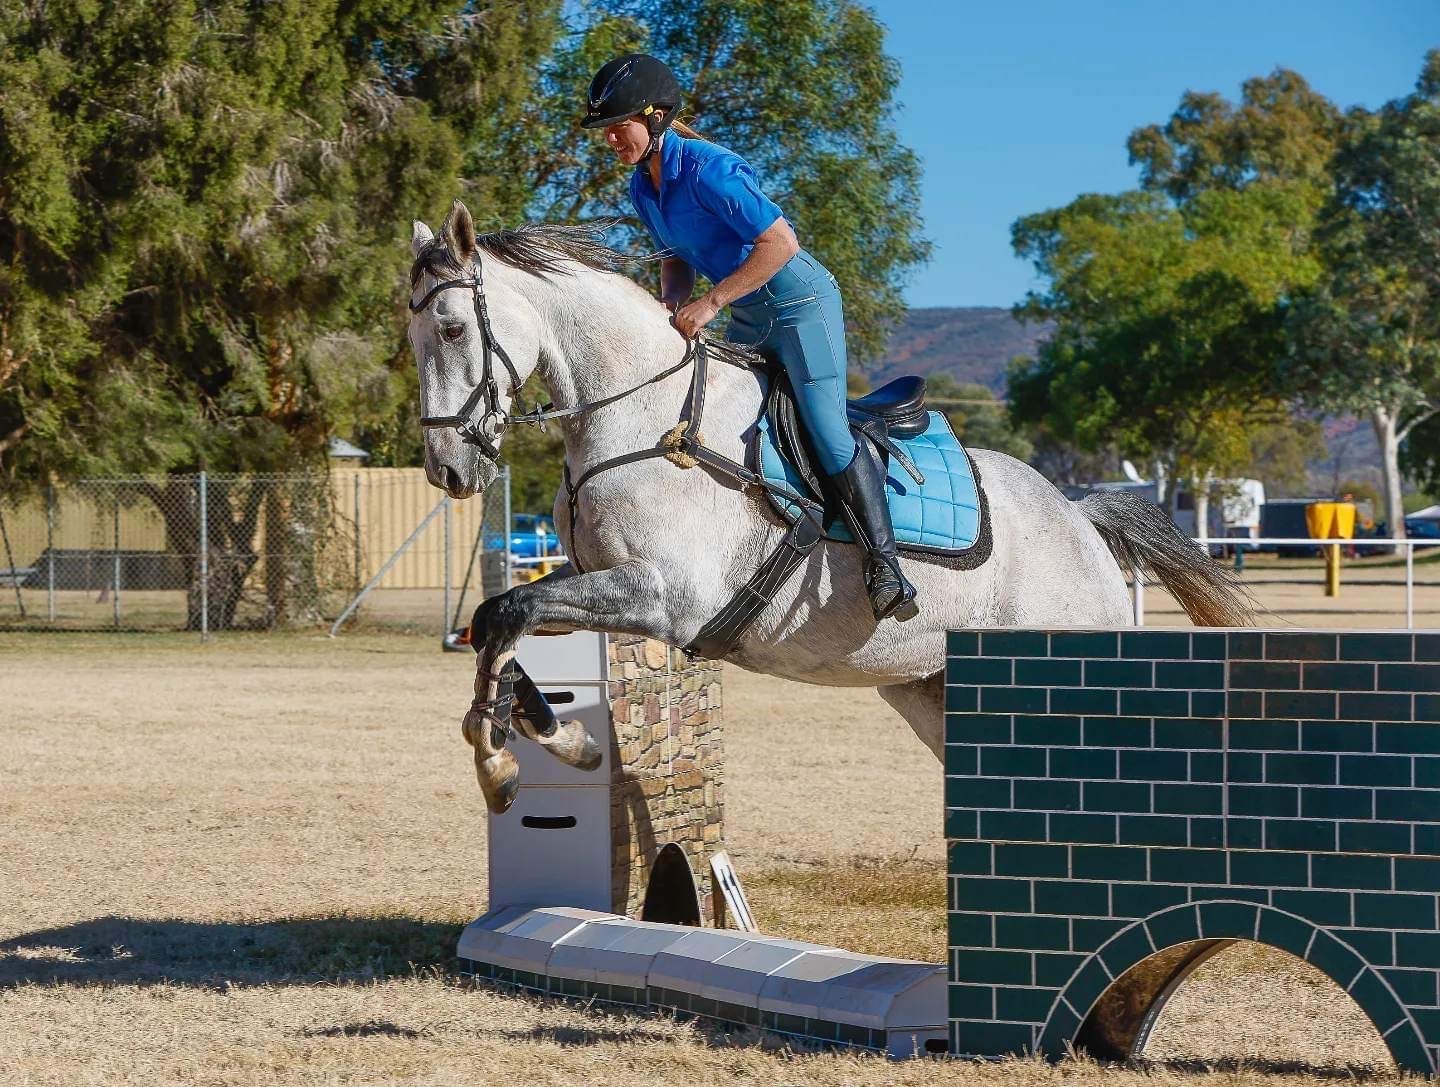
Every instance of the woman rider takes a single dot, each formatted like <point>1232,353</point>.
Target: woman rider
<point>705,211</point>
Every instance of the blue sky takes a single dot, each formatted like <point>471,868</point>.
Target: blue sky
<point>1018,106</point>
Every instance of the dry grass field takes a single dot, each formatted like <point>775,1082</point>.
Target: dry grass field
<point>246,863</point>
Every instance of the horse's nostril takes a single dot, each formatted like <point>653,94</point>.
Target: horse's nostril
<point>452,478</point>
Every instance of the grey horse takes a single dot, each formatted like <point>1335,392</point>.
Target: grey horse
<point>658,549</point>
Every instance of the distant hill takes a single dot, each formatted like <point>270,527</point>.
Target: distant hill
<point>976,343</point>
<point>971,343</point>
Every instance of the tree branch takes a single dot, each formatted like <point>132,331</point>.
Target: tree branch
<point>11,440</point>
<point>1404,432</point>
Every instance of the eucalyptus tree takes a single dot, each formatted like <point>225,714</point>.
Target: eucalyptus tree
<point>1169,301</point>
<point>1367,339</point>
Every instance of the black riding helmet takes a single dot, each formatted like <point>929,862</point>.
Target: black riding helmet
<point>634,83</point>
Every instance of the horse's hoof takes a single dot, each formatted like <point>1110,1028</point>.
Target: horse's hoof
<point>499,777</point>
<point>572,744</point>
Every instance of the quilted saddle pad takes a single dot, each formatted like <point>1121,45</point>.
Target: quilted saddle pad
<point>941,517</point>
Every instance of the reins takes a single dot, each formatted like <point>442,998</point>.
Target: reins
<point>683,445</point>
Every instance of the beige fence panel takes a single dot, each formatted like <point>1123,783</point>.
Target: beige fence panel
<point>390,503</point>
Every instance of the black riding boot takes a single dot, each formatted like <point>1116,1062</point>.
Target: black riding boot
<point>861,490</point>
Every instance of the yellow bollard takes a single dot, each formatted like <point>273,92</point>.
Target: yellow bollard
<point>1331,521</point>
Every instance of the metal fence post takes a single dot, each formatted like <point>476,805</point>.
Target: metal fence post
<point>1138,581</point>
<point>14,571</point>
<point>445,611</point>
<point>115,595</point>
<point>204,558</point>
<point>50,549</point>
<point>1409,585</point>
<point>357,530</point>
<point>505,533</point>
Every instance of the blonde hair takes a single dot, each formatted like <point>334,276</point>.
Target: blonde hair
<point>685,130</point>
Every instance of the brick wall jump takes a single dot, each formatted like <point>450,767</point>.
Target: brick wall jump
<point>1118,804</point>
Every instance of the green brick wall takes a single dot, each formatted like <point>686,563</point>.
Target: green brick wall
<point>1110,794</point>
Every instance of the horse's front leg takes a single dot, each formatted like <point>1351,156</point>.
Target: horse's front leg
<point>628,598</point>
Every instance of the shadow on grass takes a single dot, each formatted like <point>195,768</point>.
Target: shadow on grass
<point>573,1036</point>
<point>290,951</point>
<point>1267,1067</point>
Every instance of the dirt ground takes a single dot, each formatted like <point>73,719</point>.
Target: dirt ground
<point>246,863</point>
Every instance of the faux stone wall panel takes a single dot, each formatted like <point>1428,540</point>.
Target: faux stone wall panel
<point>668,780</point>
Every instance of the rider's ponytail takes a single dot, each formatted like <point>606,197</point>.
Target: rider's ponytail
<point>685,130</point>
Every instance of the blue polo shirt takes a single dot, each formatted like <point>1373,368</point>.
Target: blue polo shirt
<point>709,210</point>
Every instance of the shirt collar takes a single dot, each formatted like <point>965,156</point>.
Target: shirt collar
<point>671,152</point>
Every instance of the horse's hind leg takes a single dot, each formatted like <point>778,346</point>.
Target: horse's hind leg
<point>922,704</point>
<point>628,598</point>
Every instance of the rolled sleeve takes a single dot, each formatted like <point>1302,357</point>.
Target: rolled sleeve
<point>727,188</point>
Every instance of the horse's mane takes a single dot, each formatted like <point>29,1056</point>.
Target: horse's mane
<point>543,249</point>
<point>538,248</point>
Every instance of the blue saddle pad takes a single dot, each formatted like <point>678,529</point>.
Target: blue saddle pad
<point>941,517</point>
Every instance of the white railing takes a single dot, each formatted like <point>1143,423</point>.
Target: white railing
<point>1363,544</point>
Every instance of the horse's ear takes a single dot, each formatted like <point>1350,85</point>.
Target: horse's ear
<point>459,232</point>
<point>420,237</point>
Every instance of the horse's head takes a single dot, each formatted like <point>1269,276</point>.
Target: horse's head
<point>468,380</point>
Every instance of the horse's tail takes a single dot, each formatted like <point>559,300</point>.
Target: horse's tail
<point>1143,539</point>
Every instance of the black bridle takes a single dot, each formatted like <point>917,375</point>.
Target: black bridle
<point>487,393</point>
<point>475,430</point>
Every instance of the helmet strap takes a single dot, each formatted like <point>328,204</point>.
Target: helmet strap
<point>655,124</point>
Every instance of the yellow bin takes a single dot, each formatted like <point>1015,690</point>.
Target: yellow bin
<point>1331,521</point>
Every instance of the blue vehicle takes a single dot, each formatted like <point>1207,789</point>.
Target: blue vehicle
<point>1424,524</point>
<point>533,535</point>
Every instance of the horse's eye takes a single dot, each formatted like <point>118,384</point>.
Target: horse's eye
<point>452,332</point>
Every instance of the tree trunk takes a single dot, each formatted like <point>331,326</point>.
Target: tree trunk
<point>1386,434</point>
<point>296,513</point>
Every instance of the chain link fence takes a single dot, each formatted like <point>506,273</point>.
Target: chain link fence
<point>211,553</point>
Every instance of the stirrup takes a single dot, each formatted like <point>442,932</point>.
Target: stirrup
<point>889,591</point>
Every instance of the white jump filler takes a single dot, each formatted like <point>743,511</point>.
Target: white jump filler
<point>600,881</point>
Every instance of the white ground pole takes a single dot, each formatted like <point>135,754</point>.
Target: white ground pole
<point>547,928</point>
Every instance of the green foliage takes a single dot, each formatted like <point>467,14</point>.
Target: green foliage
<point>203,209</point>
<point>976,416</point>
<point>1282,131</point>
<point>1168,302</point>
<point>535,458</point>
<point>1280,454</point>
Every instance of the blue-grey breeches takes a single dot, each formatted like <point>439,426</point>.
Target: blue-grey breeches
<point>796,321</point>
